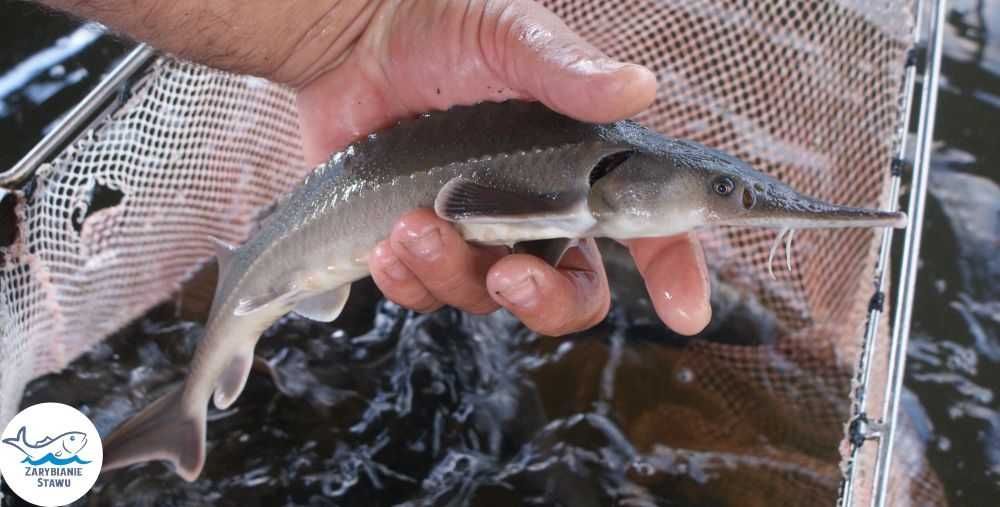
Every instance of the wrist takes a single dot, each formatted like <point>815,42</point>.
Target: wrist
<point>321,35</point>
<point>290,42</point>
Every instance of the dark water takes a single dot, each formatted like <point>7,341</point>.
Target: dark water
<point>47,64</point>
<point>954,356</point>
<point>448,409</point>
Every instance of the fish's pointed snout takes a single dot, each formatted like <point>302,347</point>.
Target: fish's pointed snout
<point>901,221</point>
<point>778,205</point>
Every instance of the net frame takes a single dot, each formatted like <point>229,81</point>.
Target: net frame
<point>883,429</point>
<point>143,54</point>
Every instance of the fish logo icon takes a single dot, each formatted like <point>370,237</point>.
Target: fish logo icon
<point>60,450</point>
<point>50,454</point>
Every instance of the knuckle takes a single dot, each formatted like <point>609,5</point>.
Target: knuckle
<point>446,281</point>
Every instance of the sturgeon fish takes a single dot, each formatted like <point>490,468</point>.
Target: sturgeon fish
<point>512,173</point>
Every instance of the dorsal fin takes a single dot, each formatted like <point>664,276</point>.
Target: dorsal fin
<point>223,253</point>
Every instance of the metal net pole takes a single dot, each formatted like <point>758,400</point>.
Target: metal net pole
<point>911,253</point>
<point>882,429</point>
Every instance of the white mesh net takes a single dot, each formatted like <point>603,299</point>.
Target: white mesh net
<point>193,153</point>
<point>808,92</point>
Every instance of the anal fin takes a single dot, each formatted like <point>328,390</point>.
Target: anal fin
<point>325,306</point>
<point>165,430</point>
<point>233,379</point>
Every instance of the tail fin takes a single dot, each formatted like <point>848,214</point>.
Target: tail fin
<point>18,440</point>
<point>165,430</point>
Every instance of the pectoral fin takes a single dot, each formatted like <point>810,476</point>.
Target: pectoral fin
<point>326,306</point>
<point>464,200</point>
<point>549,250</point>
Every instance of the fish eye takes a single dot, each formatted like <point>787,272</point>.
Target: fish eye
<point>72,437</point>
<point>723,186</point>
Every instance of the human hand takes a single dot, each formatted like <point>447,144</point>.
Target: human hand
<point>425,55</point>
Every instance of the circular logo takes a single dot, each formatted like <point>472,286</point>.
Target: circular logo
<point>50,454</point>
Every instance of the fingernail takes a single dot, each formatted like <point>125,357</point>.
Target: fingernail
<point>425,244</point>
<point>597,66</point>
<point>520,291</point>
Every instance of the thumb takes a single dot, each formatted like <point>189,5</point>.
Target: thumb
<point>535,52</point>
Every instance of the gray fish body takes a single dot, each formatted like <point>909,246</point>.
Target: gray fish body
<point>350,203</point>
<point>323,232</point>
<point>504,174</point>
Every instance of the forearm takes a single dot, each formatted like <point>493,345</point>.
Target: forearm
<point>289,41</point>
